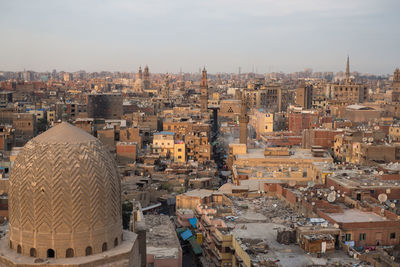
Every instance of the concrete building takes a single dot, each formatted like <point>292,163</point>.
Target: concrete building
<point>106,106</point>
<point>25,127</point>
<point>348,91</point>
<point>304,95</point>
<point>262,122</point>
<point>179,151</point>
<point>163,247</point>
<point>126,151</point>
<point>164,143</point>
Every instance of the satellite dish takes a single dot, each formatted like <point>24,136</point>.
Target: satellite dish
<point>292,183</point>
<point>331,197</point>
<point>382,198</point>
<point>310,184</point>
<point>301,188</point>
<point>371,139</point>
<point>381,173</point>
<point>332,187</point>
<point>392,205</point>
<point>365,139</point>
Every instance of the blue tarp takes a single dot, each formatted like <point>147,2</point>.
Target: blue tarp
<point>185,235</point>
<point>193,222</point>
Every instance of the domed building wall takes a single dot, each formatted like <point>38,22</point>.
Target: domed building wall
<point>64,196</point>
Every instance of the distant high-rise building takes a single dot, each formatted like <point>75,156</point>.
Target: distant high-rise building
<point>106,106</point>
<point>204,91</point>
<point>67,77</point>
<point>304,95</point>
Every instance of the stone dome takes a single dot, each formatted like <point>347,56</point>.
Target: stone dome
<point>64,196</point>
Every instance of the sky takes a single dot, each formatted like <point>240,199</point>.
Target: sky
<point>223,35</point>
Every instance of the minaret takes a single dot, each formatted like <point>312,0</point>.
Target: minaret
<point>165,93</point>
<point>396,76</point>
<point>204,91</point>
<point>146,78</point>
<point>139,75</point>
<point>348,70</point>
<point>243,121</point>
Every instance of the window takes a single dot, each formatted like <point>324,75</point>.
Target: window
<point>115,242</point>
<point>104,247</point>
<point>179,149</point>
<point>347,237</point>
<point>179,157</point>
<point>392,235</point>
<point>19,249</point>
<point>32,252</point>
<point>362,236</point>
<point>50,253</point>
<point>69,253</point>
<point>88,251</point>
<point>266,127</point>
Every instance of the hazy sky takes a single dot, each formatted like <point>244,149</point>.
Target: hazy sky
<point>267,35</point>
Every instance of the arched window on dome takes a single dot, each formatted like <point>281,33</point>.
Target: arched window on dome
<point>88,251</point>
<point>19,249</point>
<point>32,252</point>
<point>116,242</point>
<point>104,247</point>
<point>69,253</point>
<point>50,253</point>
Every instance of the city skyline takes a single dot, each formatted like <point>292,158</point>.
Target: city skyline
<point>264,36</point>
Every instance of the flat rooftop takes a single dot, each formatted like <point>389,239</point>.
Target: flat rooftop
<point>258,153</point>
<point>161,239</point>
<point>356,216</point>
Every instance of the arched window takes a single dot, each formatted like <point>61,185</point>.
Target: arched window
<point>19,249</point>
<point>11,244</point>
<point>50,253</point>
<point>104,247</point>
<point>116,242</point>
<point>88,251</point>
<point>69,253</point>
<point>32,252</point>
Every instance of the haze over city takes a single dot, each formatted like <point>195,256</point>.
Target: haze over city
<point>262,36</point>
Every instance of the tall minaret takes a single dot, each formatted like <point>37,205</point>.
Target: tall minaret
<point>146,78</point>
<point>348,70</point>
<point>165,93</point>
<point>139,74</point>
<point>243,121</point>
<point>204,92</point>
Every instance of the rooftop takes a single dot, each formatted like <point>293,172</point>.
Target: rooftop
<point>356,216</point>
<point>161,238</point>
